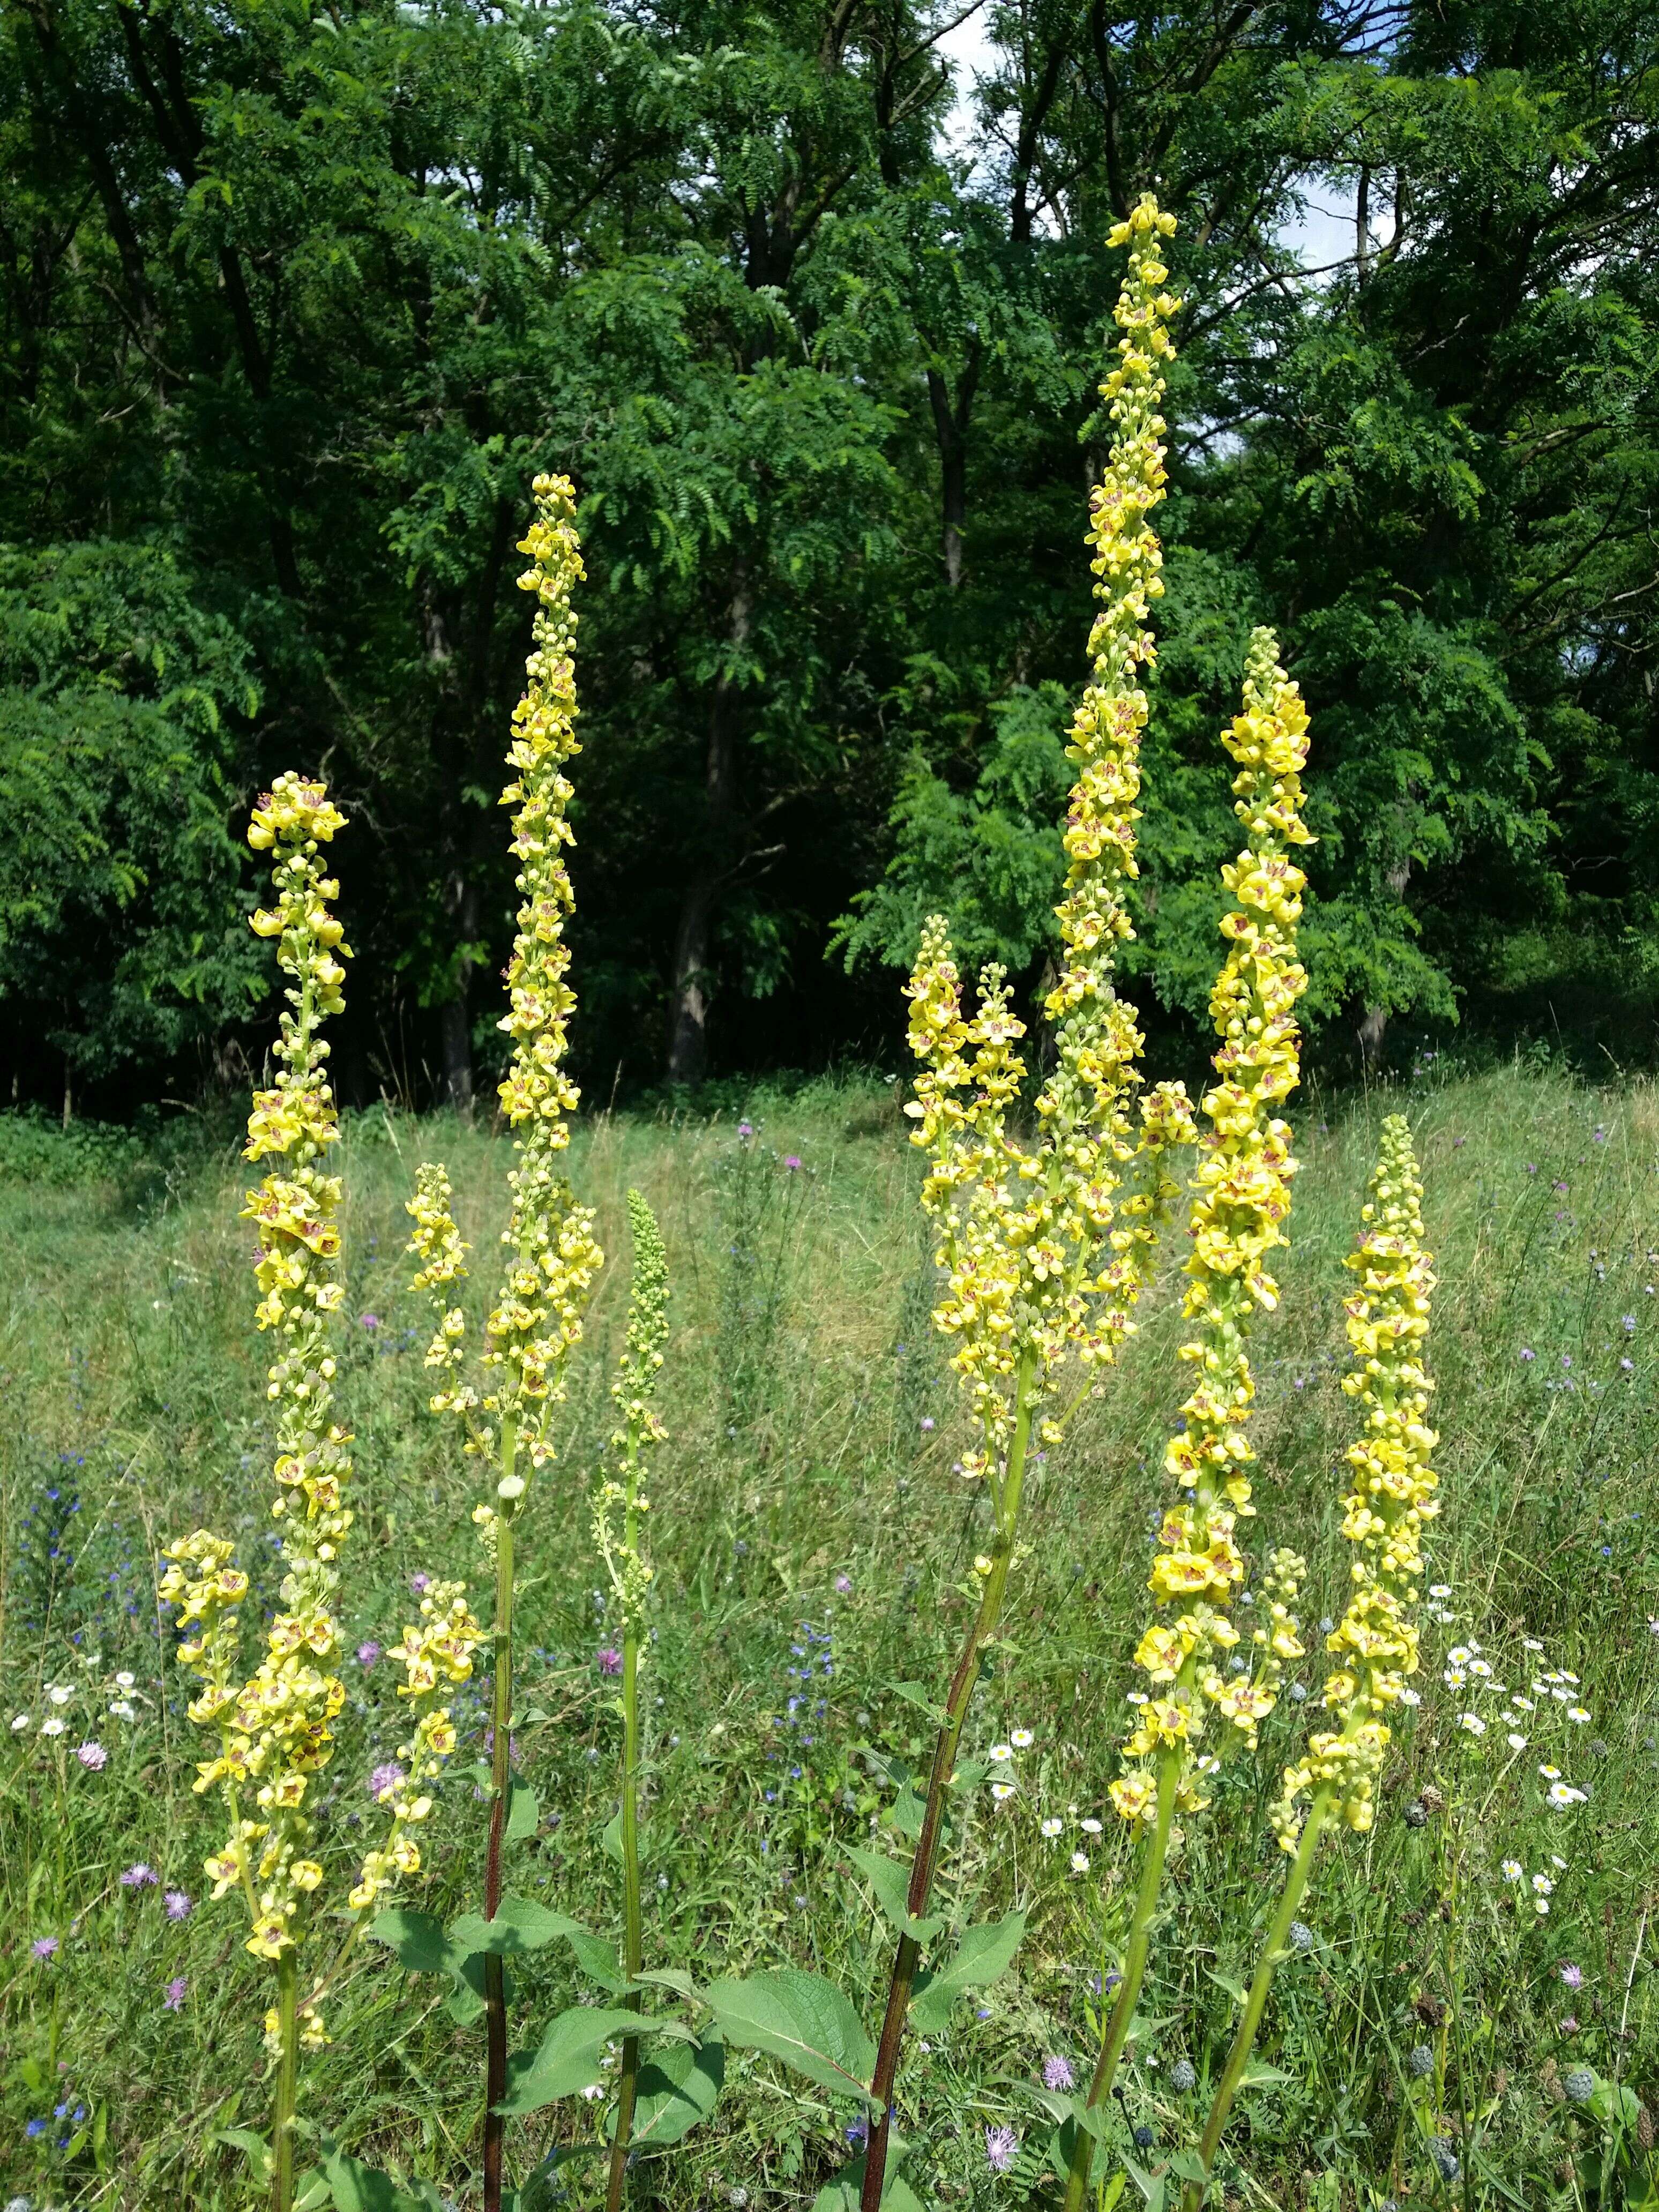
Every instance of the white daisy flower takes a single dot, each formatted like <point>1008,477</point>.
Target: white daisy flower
<point>21,1721</point>
<point>1439,1589</point>
<point>1410,1698</point>
<point>1052,1827</point>
<point>1089,1828</point>
<point>1473,1723</point>
<point>1454,1677</point>
<point>1002,1791</point>
<point>1516,1741</point>
<point>1562,1795</point>
<point>1458,1656</point>
<point>1522,1704</point>
<point>123,1680</point>
<point>1079,1862</point>
<point>1543,1885</point>
<point>122,1711</point>
<point>60,1693</point>
<point>1001,1752</point>
<point>1541,1906</point>
<point>53,1726</point>
<point>1512,1869</point>
<point>1021,1739</point>
<point>1530,1644</point>
<point>1578,1715</point>
<point>1550,1773</point>
<point>1481,1666</point>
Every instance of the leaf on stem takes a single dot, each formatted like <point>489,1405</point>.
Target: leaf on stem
<point>567,2059</point>
<point>803,2020</point>
<point>678,2088</point>
<point>984,1953</point>
<point>891,1883</point>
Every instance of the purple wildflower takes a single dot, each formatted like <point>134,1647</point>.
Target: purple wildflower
<point>420,1584</point>
<point>179,1903</point>
<point>843,1585</point>
<point>610,1659</point>
<point>927,1421</point>
<point>370,1322</point>
<point>45,1946</point>
<point>1057,2074</point>
<point>385,1777</point>
<point>1572,1976</point>
<point>175,1997</point>
<point>1526,1354</point>
<point>745,1131</point>
<point>1000,2144</point>
<point>792,1161</point>
<point>92,1755</point>
<point>139,1877</point>
<point>368,1652</point>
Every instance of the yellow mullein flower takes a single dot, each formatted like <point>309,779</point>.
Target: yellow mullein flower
<point>1035,1263</point>
<point>1042,1256</point>
<point>1242,1201</point>
<point>1375,1645</point>
<point>275,1731</point>
<point>552,1254</point>
<point>619,1510</point>
<point>538,1317</point>
<point>1194,1667</point>
<point>435,1654</point>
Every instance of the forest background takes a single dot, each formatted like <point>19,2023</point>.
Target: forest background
<point>811,300</point>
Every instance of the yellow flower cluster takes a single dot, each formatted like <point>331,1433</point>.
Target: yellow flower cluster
<point>620,1542</point>
<point>275,1731</point>
<point>1375,1643</point>
<point>537,1318</point>
<point>436,1654</point>
<point>1035,1263</point>
<point>436,1243</point>
<point>1241,1204</point>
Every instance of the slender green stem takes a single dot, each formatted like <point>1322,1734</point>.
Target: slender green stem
<point>1006,1498</point>
<point>633,1938</point>
<point>500,1781</point>
<point>1122,2017</point>
<point>1272,1951</point>
<point>288,2074</point>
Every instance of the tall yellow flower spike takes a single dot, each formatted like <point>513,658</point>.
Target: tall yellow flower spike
<point>1035,1263</point>
<point>1041,1257</point>
<point>1375,1645</point>
<point>275,1731</point>
<point>552,1254</point>
<point>435,1654</point>
<point>1242,1201</point>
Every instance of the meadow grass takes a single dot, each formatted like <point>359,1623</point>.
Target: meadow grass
<point>812,1547</point>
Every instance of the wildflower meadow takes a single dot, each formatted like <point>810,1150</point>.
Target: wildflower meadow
<point>1023,1634</point>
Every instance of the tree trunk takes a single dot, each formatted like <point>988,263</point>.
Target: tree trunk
<point>455,1018</point>
<point>688,1017</point>
<point>1373,1027</point>
<point>951,430</point>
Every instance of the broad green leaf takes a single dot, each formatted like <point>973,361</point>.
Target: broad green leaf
<point>1235,1989</point>
<point>416,1940</point>
<point>597,1957</point>
<point>672,1977</point>
<point>253,2147</point>
<point>915,1693</point>
<point>1150,2186</point>
<point>312,2191</point>
<point>842,2191</point>
<point>519,1925</point>
<point>984,1953</point>
<point>360,2188</point>
<point>907,1813</point>
<point>1259,2074</point>
<point>567,2058</point>
<point>522,1811</point>
<point>610,1842</point>
<point>465,2001</point>
<point>676,2088</point>
<point>890,1881</point>
<point>1187,2166</point>
<point>803,2020</point>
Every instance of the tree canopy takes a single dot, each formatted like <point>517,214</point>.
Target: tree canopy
<point>296,297</point>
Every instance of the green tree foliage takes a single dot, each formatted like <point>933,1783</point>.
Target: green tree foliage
<point>296,298</point>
